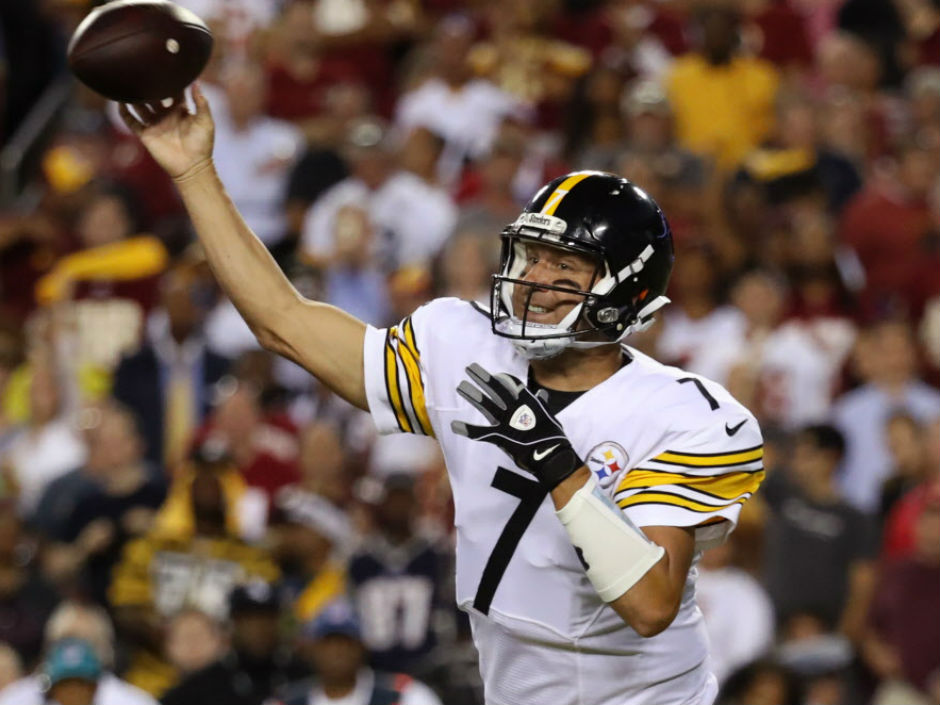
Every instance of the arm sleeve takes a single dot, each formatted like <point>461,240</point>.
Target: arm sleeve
<point>700,479</point>
<point>396,375</point>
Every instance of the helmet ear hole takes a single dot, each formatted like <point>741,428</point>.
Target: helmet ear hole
<point>607,315</point>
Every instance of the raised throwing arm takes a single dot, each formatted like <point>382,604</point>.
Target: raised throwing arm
<point>322,338</point>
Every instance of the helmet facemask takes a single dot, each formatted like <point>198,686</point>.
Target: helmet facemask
<point>595,320</point>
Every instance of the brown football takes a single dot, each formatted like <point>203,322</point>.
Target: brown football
<point>136,51</point>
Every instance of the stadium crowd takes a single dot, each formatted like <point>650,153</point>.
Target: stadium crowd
<point>185,518</point>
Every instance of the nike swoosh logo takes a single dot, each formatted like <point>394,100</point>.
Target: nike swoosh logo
<point>540,454</point>
<point>731,430</point>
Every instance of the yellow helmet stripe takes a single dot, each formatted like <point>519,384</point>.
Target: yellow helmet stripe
<point>551,204</point>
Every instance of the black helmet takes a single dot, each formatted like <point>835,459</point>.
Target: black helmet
<point>615,223</point>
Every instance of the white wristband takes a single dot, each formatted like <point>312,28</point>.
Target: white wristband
<point>616,552</point>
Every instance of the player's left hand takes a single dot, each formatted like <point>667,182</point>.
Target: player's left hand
<point>522,426</point>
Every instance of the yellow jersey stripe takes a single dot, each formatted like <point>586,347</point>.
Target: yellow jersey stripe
<point>391,382</point>
<point>551,203</point>
<point>727,486</point>
<point>710,461</point>
<point>415,383</point>
<point>673,500</point>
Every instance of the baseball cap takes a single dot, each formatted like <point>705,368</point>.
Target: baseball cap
<point>71,658</point>
<point>338,617</point>
<point>254,596</point>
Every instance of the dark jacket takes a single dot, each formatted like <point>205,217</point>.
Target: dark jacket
<point>139,384</point>
<point>235,680</point>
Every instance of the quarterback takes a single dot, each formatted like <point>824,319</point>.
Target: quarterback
<point>587,477</point>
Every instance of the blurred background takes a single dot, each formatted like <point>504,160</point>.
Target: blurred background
<point>185,518</point>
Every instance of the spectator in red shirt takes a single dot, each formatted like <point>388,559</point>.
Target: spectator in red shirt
<point>298,73</point>
<point>886,224</point>
<point>264,451</point>
<point>903,636</point>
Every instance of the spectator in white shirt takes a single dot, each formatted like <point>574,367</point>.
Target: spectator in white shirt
<point>48,446</point>
<point>887,362</point>
<point>464,110</point>
<point>253,153</point>
<point>90,624</point>
<point>739,616</point>
<point>406,218</point>
<point>785,372</point>
<point>332,642</point>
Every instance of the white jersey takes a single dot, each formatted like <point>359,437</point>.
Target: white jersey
<point>670,448</point>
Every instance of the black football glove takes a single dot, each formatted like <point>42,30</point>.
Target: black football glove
<point>522,426</point>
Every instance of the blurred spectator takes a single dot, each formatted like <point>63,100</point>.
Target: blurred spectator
<point>29,245</point>
<point>522,59</point>
<point>310,541</point>
<point>464,110</point>
<point>887,224</point>
<point>923,89</point>
<point>696,319</point>
<point>594,115</point>
<point>333,644</point>
<point>374,222</point>
<point>323,462</point>
<point>722,99</point>
<point>255,666</point>
<point>899,534</point>
<point>819,553</point>
<point>821,659</point>
<point>739,616</point>
<point>785,371</point>
<point>902,640</point>
<point>26,598</point>
<point>397,580</point>
<point>886,362</point>
<point>236,24</point>
<point>466,264</point>
<point>11,668</point>
<point>253,153</point>
<point>321,166</point>
<point>192,557</point>
<point>677,175</point>
<point>299,73</point>
<point>487,194</point>
<point>797,162</point>
<point>760,683</point>
<point>193,641</point>
<point>48,446</point>
<point>72,673</point>
<point>167,382</point>
<point>265,450</point>
<point>106,289</point>
<point>908,463</point>
<point>96,521</point>
<point>90,625</point>
<point>777,32</point>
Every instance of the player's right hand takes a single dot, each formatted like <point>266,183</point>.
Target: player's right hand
<point>180,142</point>
<point>522,426</point>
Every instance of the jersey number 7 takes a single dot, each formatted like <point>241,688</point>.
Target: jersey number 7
<point>530,494</point>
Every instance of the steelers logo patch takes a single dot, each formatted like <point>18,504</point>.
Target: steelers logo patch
<point>605,460</point>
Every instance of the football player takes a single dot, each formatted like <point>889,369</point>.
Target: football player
<point>587,477</point>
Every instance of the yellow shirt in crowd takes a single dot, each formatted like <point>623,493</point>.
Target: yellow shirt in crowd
<point>724,111</point>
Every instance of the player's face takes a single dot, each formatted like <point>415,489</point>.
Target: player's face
<point>555,266</point>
